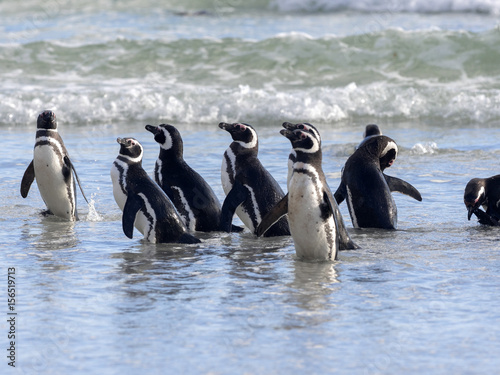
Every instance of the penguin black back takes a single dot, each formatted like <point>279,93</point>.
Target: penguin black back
<point>250,189</point>
<point>143,203</point>
<point>192,196</point>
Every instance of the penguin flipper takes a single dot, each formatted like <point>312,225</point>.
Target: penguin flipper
<point>345,241</point>
<point>235,197</point>
<point>485,218</point>
<point>403,187</point>
<point>274,214</point>
<point>28,178</point>
<point>132,206</point>
<point>340,194</point>
<point>71,166</point>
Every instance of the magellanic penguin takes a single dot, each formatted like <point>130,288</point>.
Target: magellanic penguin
<point>142,201</point>
<point>309,203</point>
<point>483,192</point>
<point>191,195</point>
<point>250,189</point>
<point>52,169</point>
<point>367,189</point>
<point>346,242</point>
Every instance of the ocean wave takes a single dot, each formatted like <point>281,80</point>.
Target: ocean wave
<point>392,6</point>
<point>449,77</point>
<point>221,7</point>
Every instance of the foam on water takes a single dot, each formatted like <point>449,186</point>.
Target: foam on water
<point>440,75</point>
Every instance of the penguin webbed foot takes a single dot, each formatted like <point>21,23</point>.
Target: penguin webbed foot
<point>46,213</point>
<point>188,238</point>
<point>236,229</point>
<point>485,219</point>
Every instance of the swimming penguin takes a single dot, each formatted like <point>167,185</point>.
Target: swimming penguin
<point>142,201</point>
<point>345,240</point>
<point>250,189</point>
<point>53,170</point>
<point>309,203</point>
<point>191,195</point>
<point>483,192</point>
<point>367,189</point>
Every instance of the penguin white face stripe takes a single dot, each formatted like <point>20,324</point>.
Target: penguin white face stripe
<point>315,147</point>
<point>390,146</point>
<point>480,193</point>
<point>133,160</point>
<point>251,144</point>
<point>191,219</point>
<point>167,145</point>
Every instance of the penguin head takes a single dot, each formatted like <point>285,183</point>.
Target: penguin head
<point>168,137</point>
<point>474,195</point>
<point>305,126</point>
<point>302,140</point>
<point>371,130</point>
<point>130,149</point>
<point>46,120</point>
<point>382,148</point>
<point>243,134</point>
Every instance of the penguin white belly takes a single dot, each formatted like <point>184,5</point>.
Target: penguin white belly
<point>59,197</point>
<point>141,223</point>
<point>314,238</point>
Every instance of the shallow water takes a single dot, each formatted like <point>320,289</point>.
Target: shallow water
<point>421,299</point>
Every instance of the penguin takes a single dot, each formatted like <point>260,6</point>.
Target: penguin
<point>53,170</point>
<point>142,201</point>
<point>191,195</point>
<point>483,192</point>
<point>346,242</point>
<point>367,189</point>
<point>313,219</point>
<point>371,130</point>
<point>250,189</point>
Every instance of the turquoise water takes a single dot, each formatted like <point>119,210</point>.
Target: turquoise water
<point>422,299</point>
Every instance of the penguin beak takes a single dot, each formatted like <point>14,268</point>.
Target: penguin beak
<point>121,141</point>
<point>152,129</point>
<point>291,135</point>
<point>288,125</point>
<point>470,211</point>
<point>224,125</point>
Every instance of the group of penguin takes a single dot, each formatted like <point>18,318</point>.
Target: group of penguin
<point>179,201</point>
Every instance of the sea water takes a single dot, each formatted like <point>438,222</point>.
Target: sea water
<point>421,299</point>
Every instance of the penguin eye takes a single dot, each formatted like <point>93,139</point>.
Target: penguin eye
<point>303,136</point>
<point>241,128</point>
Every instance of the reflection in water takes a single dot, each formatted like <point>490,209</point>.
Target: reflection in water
<point>50,240</point>
<point>310,292</point>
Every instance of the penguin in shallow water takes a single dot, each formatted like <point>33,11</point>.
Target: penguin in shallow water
<point>346,242</point>
<point>483,192</point>
<point>53,170</point>
<point>142,201</point>
<point>191,195</point>
<point>250,189</point>
<point>368,190</point>
<point>313,219</point>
